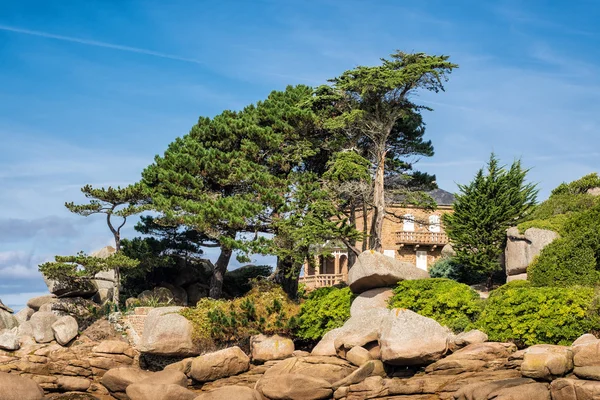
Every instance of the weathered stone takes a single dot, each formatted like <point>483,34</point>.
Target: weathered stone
<point>408,338</point>
<point>518,277</point>
<point>547,362</point>
<point>158,391</point>
<point>574,389</point>
<point>65,329</point>
<point>70,288</point>
<point>265,348</point>
<point>370,368</point>
<point>105,280</point>
<point>168,333</point>
<point>331,369</point>
<point>482,390</point>
<point>358,356</point>
<point>591,372</point>
<point>326,346</point>
<point>83,310</point>
<point>180,297</point>
<point>9,339</point>
<point>182,366</point>
<point>294,387</point>
<point>114,347</point>
<point>5,307</point>
<point>370,299</point>
<point>36,302</point>
<point>41,322</point>
<point>371,387</point>
<point>219,364</point>
<point>24,315</point>
<point>472,358</point>
<point>466,338</point>
<point>117,379</point>
<point>587,354</point>
<point>521,249</point>
<point>360,330</point>
<point>372,270</point>
<point>585,338</point>
<point>14,387</point>
<point>448,251</point>
<point>231,393</point>
<point>529,391</point>
<point>72,383</point>
<point>7,320</point>
<point>168,377</point>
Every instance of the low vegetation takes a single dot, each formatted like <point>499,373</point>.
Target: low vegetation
<point>527,315</point>
<point>452,304</point>
<point>324,309</point>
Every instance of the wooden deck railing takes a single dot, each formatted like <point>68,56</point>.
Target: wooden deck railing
<point>429,238</point>
<point>322,280</point>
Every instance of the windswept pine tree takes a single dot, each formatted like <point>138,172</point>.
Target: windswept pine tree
<point>372,108</point>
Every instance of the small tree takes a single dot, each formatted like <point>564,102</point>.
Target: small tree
<point>81,269</point>
<point>483,211</point>
<point>111,202</point>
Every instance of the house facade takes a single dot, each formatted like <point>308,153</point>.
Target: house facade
<point>414,235</point>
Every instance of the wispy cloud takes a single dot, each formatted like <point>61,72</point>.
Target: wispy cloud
<point>97,43</point>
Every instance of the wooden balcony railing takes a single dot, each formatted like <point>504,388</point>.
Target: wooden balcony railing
<point>426,238</point>
<point>322,280</point>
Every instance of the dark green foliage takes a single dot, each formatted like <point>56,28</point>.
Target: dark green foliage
<point>529,315</point>
<point>239,281</point>
<point>324,309</point>
<point>573,259</point>
<point>450,303</point>
<point>579,186</point>
<point>448,267</point>
<point>483,211</point>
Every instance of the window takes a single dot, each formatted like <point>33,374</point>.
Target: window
<point>409,223</point>
<point>390,253</point>
<point>434,223</point>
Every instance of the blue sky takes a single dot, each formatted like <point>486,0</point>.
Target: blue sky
<point>91,90</point>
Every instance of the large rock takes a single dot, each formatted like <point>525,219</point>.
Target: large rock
<point>36,302</point>
<point>157,391</point>
<point>294,387</point>
<point>521,249</point>
<point>168,377</point>
<point>85,311</point>
<point>473,357</point>
<point>574,389</point>
<point>168,333</point>
<point>547,362</point>
<point>219,364</point>
<point>5,307</point>
<point>9,339</point>
<point>265,348</point>
<point>71,288</point>
<point>483,390</point>
<point>326,346</point>
<point>408,338</point>
<point>586,358</point>
<point>14,387</point>
<point>116,380</point>
<point>65,329</point>
<point>331,369</point>
<point>367,301</point>
<point>466,338</point>
<point>372,270</point>
<point>180,297</point>
<point>195,292</point>
<point>360,330</point>
<point>7,320</point>
<point>358,356</point>
<point>231,393</point>
<point>41,322</point>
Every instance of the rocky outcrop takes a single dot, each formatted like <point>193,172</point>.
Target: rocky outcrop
<point>521,249</point>
<point>7,320</point>
<point>41,322</point>
<point>168,333</point>
<point>9,339</point>
<point>150,391</point>
<point>36,302</point>
<point>373,270</point>
<point>5,307</point>
<point>13,387</point>
<point>360,330</point>
<point>265,348</point>
<point>402,335</point>
<point>547,362</point>
<point>231,392</point>
<point>294,386</point>
<point>370,299</point>
<point>220,364</point>
<point>65,329</point>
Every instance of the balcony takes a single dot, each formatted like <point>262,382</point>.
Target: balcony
<point>421,238</point>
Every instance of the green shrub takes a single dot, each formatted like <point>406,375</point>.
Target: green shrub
<point>265,309</point>
<point>529,315</point>
<point>448,302</point>
<point>324,309</point>
<point>555,223</point>
<point>579,186</point>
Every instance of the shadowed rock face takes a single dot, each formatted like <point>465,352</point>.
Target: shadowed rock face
<point>5,308</point>
<point>521,249</point>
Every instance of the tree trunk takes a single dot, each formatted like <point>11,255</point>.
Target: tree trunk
<point>216,281</point>
<point>365,217</point>
<point>378,207</point>
<point>117,288</point>
<point>286,275</point>
<point>351,255</point>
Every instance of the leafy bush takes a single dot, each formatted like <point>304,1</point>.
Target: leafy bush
<point>448,302</point>
<point>238,282</point>
<point>324,309</point>
<point>265,309</point>
<point>449,268</point>
<point>579,186</point>
<point>529,315</point>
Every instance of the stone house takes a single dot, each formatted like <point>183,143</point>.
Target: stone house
<point>416,235</point>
